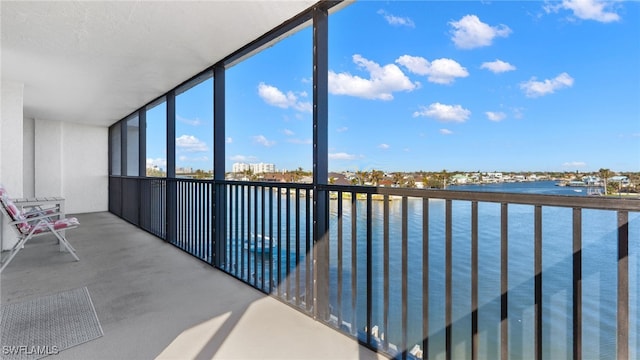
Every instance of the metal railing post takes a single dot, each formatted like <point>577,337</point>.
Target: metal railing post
<point>320,165</point>
<point>219,245</point>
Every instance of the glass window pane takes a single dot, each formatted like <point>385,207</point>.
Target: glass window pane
<point>133,138</point>
<point>116,148</point>
<point>157,140</point>
<point>468,86</point>
<point>479,88</point>
<point>269,120</point>
<point>194,129</point>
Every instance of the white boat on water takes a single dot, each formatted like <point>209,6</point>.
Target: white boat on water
<point>596,191</point>
<point>255,244</point>
<point>416,351</point>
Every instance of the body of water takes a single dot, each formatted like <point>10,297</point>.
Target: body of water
<point>599,239</point>
<point>529,187</point>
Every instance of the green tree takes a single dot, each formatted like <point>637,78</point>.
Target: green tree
<point>362,177</point>
<point>604,175</point>
<point>293,176</point>
<point>156,172</point>
<point>376,176</point>
<point>398,179</point>
<point>201,174</point>
<point>248,173</point>
<point>444,176</point>
<point>425,180</point>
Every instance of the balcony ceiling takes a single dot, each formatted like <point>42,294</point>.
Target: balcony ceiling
<point>96,62</point>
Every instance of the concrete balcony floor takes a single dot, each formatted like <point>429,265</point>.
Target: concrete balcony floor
<point>155,301</point>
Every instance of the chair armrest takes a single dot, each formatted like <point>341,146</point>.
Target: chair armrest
<point>34,218</point>
<point>37,209</point>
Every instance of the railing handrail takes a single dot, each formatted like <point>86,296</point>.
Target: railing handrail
<point>585,202</point>
<point>262,220</point>
<point>569,201</point>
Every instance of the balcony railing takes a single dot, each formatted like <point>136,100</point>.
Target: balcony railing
<point>417,273</point>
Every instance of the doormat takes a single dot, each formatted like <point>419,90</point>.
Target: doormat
<point>48,325</point>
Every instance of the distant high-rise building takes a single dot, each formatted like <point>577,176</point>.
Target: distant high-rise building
<point>263,168</point>
<point>258,168</point>
<point>240,167</point>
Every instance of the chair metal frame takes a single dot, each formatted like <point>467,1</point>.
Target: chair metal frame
<point>41,221</point>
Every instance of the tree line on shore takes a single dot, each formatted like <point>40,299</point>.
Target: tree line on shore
<point>426,179</point>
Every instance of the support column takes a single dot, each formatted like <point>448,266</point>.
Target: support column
<point>142,142</point>
<point>320,165</point>
<point>219,143</point>
<point>172,192</point>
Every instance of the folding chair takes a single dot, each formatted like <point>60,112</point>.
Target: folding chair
<point>38,221</point>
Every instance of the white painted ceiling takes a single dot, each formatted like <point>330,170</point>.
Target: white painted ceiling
<point>96,62</point>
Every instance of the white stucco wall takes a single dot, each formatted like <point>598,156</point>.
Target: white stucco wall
<point>85,168</point>
<point>48,158</point>
<point>11,148</point>
<point>71,161</point>
<point>28,161</point>
<point>11,142</point>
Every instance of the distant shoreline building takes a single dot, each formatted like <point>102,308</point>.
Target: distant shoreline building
<point>256,168</point>
<point>184,170</point>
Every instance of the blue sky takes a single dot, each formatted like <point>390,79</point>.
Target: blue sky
<point>422,85</point>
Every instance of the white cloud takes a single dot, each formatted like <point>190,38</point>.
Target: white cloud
<point>262,140</point>
<point>341,156</point>
<point>382,81</point>
<point>229,140</point>
<point>192,122</point>
<point>304,106</point>
<point>288,132</point>
<point>495,116</point>
<point>384,146</point>
<point>342,129</point>
<point>439,71</point>
<point>191,159</point>
<point>300,141</point>
<point>159,162</point>
<point>587,9</point>
<point>243,158</point>
<point>534,88</point>
<point>575,164</point>
<point>497,66</point>
<point>518,112</point>
<point>273,96</point>
<point>469,32</point>
<point>397,20</point>
<point>444,113</point>
<point>191,143</point>
<point>446,132</point>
